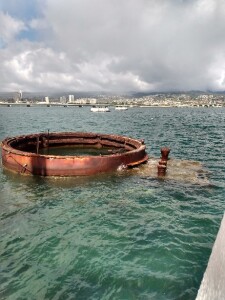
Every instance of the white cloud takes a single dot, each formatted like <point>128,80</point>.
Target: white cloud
<point>35,68</point>
<point>38,24</point>
<point>9,27</point>
<point>117,45</point>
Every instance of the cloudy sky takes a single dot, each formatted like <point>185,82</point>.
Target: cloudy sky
<point>112,45</point>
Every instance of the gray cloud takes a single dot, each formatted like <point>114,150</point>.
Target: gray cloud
<point>119,45</point>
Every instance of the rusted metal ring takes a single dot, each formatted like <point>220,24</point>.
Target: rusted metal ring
<point>21,151</point>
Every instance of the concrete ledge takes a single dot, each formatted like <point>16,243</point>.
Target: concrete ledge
<point>213,282</point>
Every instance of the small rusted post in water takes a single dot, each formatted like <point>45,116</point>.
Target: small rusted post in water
<point>161,170</point>
<point>162,166</point>
<point>165,153</point>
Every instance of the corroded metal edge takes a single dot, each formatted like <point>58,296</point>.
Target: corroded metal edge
<point>18,154</point>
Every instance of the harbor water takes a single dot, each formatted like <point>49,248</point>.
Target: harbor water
<point>122,235</point>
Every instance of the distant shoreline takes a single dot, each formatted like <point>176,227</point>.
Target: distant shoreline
<point>31,104</point>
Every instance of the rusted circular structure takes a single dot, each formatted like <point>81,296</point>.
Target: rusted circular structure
<point>21,154</point>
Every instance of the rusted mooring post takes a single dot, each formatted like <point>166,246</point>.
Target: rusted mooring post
<point>162,166</point>
<point>165,151</point>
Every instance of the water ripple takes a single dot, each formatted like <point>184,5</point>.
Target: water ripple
<point>115,236</point>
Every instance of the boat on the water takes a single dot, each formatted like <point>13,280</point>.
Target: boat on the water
<point>121,107</point>
<point>100,109</point>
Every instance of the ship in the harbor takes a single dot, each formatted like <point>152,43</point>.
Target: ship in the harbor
<point>100,109</point>
<point>121,107</point>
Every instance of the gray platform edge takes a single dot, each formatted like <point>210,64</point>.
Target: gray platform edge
<point>213,283</point>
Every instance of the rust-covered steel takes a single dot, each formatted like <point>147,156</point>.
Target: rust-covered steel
<point>162,166</point>
<point>21,153</point>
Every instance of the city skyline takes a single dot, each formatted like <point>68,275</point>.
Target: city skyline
<point>110,46</point>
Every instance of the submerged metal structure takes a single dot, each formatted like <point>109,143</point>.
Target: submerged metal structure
<point>21,154</point>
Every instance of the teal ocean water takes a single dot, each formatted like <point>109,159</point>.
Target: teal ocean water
<point>118,235</point>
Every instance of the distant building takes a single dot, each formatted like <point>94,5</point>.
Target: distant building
<point>17,97</point>
<point>47,99</point>
<point>62,99</point>
<point>81,101</point>
<point>92,101</point>
<point>71,98</point>
<point>20,94</point>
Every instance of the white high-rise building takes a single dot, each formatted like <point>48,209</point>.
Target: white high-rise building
<point>71,98</point>
<point>20,95</point>
<point>47,99</point>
